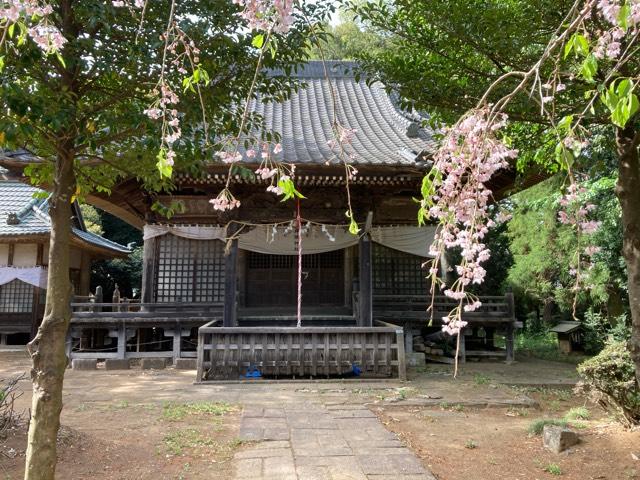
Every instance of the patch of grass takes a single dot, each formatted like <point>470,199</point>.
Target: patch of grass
<point>481,379</point>
<point>536,427</point>
<point>555,405</point>
<point>456,407</point>
<point>553,469</point>
<point>517,412</point>
<point>179,440</point>
<point>578,413</point>
<point>470,444</point>
<point>178,411</point>
<point>404,392</point>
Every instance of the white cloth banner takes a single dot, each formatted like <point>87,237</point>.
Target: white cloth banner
<point>281,240</point>
<point>413,240</point>
<point>194,232</point>
<point>36,276</point>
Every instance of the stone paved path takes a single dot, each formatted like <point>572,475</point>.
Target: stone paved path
<point>322,442</point>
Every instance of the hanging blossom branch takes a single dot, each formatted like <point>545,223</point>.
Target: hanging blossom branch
<point>343,136</point>
<point>575,213</point>
<point>456,195</point>
<point>455,191</point>
<point>31,20</point>
<point>277,16</point>
<point>269,16</point>
<point>179,52</point>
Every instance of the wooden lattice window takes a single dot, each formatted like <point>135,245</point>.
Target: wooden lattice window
<point>189,270</point>
<point>397,273</point>
<point>16,297</point>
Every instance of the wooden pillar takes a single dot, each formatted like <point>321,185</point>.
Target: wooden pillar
<point>366,282</point>
<point>348,276</point>
<point>122,341</point>
<point>177,343</point>
<point>402,357</point>
<point>85,274</point>
<point>148,270</point>
<point>462,354</point>
<point>409,334</point>
<point>510,342</point>
<point>230,283</point>
<point>510,335</point>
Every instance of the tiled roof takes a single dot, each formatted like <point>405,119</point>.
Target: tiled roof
<point>385,135</point>
<point>100,241</point>
<point>33,215</point>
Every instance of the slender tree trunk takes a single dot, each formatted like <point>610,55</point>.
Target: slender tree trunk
<point>628,190</point>
<point>47,349</point>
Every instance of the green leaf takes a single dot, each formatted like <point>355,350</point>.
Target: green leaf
<point>258,41</point>
<point>589,68</point>
<point>353,227</point>
<point>623,16</point>
<point>565,123</point>
<point>164,168</point>
<point>11,29</point>
<point>564,156</point>
<point>621,101</point>
<point>578,44</point>
<point>61,60</point>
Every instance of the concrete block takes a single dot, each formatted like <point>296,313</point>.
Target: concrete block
<point>416,359</point>
<point>84,364</point>
<point>558,439</point>
<point>153,363</point>
<point>186,363</point>
<point>116,364</point>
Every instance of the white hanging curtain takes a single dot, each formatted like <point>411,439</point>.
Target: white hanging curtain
<point>281,239</point>
<point>36,276</point>
<point>413,240</point>
<point>193,232</point>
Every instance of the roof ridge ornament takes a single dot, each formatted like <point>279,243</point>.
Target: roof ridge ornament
<point>12,219</point>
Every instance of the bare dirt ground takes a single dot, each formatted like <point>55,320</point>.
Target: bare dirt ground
<point>158,425</point>
<point>137,441</point>
<point>460,442</point>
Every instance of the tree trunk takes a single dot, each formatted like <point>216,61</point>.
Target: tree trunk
<point>547,312</point>
<point>628,191</point>
<point>47,349</point>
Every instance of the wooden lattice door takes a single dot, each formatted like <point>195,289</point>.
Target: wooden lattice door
<point>271,280</point>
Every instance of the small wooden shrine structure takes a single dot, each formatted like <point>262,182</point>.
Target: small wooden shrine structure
<point>570,336</point>
<point>223,285</point>
<point>25,228</point>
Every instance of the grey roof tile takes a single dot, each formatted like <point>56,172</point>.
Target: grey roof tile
<point>305,120</point>
<point>33,215</point>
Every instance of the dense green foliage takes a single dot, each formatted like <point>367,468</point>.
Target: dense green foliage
<point>347,40</point>
<point>95,97</point>
<point>610,376</point>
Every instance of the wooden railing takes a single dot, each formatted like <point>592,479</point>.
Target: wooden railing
<point>124,320</point>
<point>141,310</point>
<point>496,314</point>
<point>228,352</point>
<point>494,309</point>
